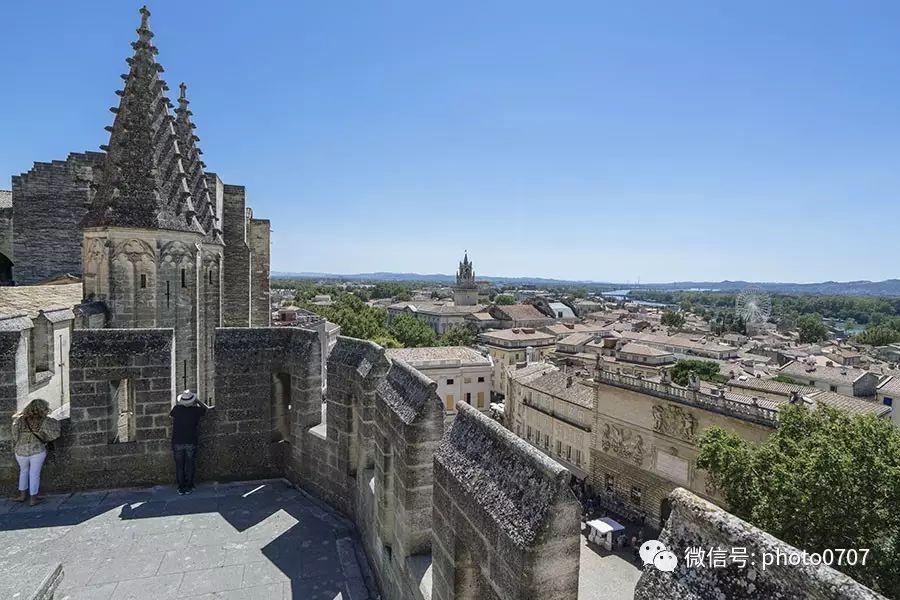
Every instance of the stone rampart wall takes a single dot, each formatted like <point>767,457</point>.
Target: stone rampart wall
<point>505,520</point>
<point>469,513</point>
<point>696,523</point>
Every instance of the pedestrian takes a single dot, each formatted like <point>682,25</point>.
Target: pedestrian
<point>186,415</point>
<point>32,430</point>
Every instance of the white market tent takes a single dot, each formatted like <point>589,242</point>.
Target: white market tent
<point>601,531</point>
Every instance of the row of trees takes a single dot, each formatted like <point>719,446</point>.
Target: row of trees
<point>805,313</point>
<point>358,319</point>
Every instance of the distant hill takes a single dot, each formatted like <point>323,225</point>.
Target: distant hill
<point>889,287</point>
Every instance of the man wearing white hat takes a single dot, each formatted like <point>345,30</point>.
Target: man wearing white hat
<point>186,415</point>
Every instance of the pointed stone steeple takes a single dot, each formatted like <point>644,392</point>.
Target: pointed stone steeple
<point>143,183</point>
<point>194,167</point>
<point>465,276</point>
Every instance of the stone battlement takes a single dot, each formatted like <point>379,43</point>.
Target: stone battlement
<point>470,512</point>
<point>694,522</point>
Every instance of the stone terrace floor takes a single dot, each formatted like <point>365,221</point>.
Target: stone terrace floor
<point>257,540</point>
<point>606,575</point>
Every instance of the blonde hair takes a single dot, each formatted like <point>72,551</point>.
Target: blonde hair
<point>35,410</point>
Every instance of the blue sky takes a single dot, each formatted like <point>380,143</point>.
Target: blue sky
<point>591,140</point>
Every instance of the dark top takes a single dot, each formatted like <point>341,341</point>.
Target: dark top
<point>185,423</point>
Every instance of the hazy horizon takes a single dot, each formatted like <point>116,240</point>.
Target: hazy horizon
<point>291,273</point>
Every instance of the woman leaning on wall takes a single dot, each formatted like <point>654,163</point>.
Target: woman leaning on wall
<point>32,431</point>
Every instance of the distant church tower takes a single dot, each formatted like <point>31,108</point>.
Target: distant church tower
<point>466,291</point>
<point>152,237</point>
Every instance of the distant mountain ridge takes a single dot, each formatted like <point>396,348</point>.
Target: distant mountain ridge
<point>888,287</point>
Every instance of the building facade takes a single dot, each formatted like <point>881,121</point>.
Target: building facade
<point>644,439</point>
<point>462,374</point>
<point>553,412</point>
<point>507,347</point>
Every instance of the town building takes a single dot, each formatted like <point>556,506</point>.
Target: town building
<point>683,346</point>
<point>848,381</point>
<point>644,355</point>
<point>519,315</point>
<point>888,394</point>
<point>645,433</point>
<point>507,347</point>
<point>462,374</point>
<point>553,411</point>
<point>562,330</point>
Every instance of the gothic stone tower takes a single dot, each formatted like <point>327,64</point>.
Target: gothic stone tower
<point>466,291</point>
<point>152,248</point>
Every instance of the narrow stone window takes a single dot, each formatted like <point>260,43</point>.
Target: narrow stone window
<point>281,407</point>
<point>168,294</point>
<point>143,281</point>
<point>184,278</point>
<point>42,347</point>
<point>210,277</point>
<point>122,404</point>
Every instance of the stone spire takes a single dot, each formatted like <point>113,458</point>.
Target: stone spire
<point>194,166</point>
<point>143,183</point>
<point>465,276</point>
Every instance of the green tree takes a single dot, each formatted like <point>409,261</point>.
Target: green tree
<point>387,341</point>
<point>811,328</point>
<point>706,370</point>
<point>411,332</point>
<point>355,317</point>
<point>670,318</point>
<point>504,299</point>
<point>823,479</point>
<point>879,335</point>
<point>458,335</point>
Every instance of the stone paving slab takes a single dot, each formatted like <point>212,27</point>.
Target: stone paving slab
<point>253,540</point>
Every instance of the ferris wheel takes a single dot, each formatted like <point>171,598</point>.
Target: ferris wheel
<point>753,305</point>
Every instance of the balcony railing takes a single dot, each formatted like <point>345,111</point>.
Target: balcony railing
<point>745,410</point>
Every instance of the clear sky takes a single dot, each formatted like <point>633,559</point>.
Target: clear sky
<point>590,140</point>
